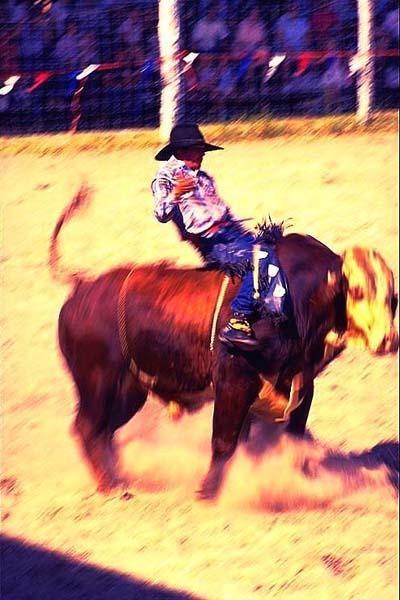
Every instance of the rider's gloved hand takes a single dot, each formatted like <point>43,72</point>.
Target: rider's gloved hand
<point>183,185</point>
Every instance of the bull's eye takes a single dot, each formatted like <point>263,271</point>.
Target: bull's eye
<point>356,293</point>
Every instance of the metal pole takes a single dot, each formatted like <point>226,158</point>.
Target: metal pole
<point>169,35</point>
<point>365,77</point>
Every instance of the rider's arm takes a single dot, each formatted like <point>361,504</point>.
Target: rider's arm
<point>168,194</point>
<point>164,198</point>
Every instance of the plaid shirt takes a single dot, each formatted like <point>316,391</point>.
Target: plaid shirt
<point>201,208</point>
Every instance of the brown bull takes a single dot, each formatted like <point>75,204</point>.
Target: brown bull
<point>132,331</point>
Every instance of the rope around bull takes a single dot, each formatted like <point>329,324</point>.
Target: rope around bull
<point>147,381</point>
<point>123,333</point>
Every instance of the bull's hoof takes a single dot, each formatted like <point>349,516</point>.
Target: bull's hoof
<point>310,468</point>
<point>205,494</point>
<point>210,487</point>
<point>116,484</point>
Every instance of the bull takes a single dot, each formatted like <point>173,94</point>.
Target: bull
<point>146,329</point>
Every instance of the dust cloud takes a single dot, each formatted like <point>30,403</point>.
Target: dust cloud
<point>271,471</point>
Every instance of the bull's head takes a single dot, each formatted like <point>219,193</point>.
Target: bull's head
<point>371,300</point>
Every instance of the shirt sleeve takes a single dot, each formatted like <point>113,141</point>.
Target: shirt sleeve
<point>162,189</point>
<point>212,187</point>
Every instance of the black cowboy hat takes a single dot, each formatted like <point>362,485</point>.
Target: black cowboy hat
<point>185,136</point>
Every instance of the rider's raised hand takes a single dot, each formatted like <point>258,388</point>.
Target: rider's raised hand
<point>183,185</point>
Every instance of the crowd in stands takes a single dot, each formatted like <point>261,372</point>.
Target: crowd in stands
<point>235,39</point>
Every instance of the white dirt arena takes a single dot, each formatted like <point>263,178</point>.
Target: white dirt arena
<point>278,531</point>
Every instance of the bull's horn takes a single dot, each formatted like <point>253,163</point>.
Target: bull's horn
<point>331,278</point>
<point>175,411</point>
<point>335,339</point>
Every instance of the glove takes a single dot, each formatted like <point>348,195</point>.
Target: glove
<point>182,186</point>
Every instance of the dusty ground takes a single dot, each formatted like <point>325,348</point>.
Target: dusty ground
<point>276,532</point>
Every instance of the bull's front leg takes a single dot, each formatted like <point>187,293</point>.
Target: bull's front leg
<point>298,418</point>
<point>234,394</point>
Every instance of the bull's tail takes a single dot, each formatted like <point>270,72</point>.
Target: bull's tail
<point>79,201</point>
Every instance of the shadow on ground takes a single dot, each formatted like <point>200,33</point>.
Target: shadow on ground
<point>30,572</point>
<point>264,438</point>
<point>383,454</point>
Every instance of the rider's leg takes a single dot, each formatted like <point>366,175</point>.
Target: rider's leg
<point>238,329</point>
<point>232,248</point>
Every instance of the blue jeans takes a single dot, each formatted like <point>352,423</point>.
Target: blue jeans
<point>233,245</point>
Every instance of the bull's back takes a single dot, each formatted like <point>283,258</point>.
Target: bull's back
<point>165,315</point>
<point>297,252</point>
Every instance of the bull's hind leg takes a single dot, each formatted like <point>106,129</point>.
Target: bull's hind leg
<point>106,403</point>
<point>236,389</point>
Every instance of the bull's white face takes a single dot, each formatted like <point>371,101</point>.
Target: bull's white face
<point>371,300</point>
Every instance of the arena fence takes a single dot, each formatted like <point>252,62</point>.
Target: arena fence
<point>109,87</point>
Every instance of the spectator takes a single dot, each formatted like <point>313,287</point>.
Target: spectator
<point>202,93</point>
<point>66,52</point>
<point>227,8</point>
<point>250,46</point>
<point>88,49</point>
<point>34,42</point>
<point>87,16</point>
<point>391,76</point>
<point>150,33</point>
<point>207,71</point>
<point>60,12</point>
<point>226,88</point>
<point>251,34</point>
<point>302,92</point>
<point>124,98</point>
<point>324,23</point>
<point>19,11</point>
<point>107,4</point>
<point>4,105</point>
<point>26,106</point>
<point>210,33</point>
<point>291,31</point>
<point>131,29</point>
<point>49,25</point>
<point>291,36</point>
<point>381,42</point>
<point>249,93</point>
<point>134,56</point>
<point>390,25</point>
<point>335,79</point>
<point>4,15</point>
<point>346,11</point>
<point>386,79</point>
<point>9,50</point>
<point>381,8</point>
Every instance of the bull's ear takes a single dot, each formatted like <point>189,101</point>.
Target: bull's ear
<point>394,303</point>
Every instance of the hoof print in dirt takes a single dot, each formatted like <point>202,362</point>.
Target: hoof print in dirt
<point>126,496</point>
<point>337,565</point>
<point>9,486</point>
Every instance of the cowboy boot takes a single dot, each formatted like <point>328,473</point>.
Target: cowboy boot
<point>238,332</point>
